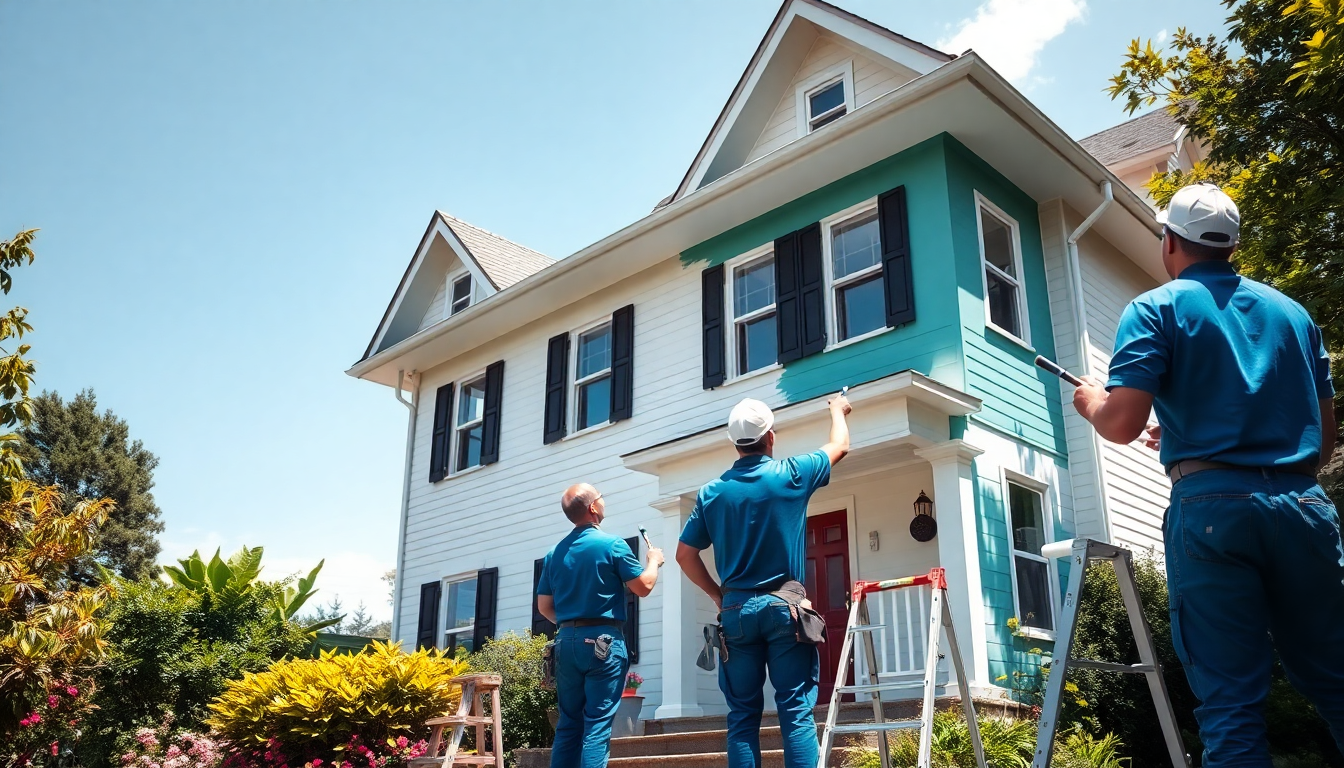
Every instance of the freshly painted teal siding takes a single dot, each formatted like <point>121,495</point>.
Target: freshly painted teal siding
<point>931,344</point>
<point>995,579</point>
<point>1018,397</point>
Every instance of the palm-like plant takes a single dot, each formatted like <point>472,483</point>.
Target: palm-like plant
<point>230,581</point>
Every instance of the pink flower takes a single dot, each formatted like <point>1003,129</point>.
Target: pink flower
<point>53,702</point>
<point>317,763</point>
<point>402,742</point>
<point>55,748</point>
<point>173,751</point>
<point>71,690</point>
<point>128,758</point>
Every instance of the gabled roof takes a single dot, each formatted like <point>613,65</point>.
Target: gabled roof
<point>1132,138</point>
<point>495,261</point>
<point>775,47</point>
<point>504,262</point>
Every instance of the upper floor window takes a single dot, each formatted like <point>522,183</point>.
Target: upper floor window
<point>1031,571</point>
<point>753,311</point>
<point>1005,295</point>
<point>470,423</point>
<point>858,301</point>
<point>460,610</point>
<point>825,98</point>
<point>592,377</point>
<point>460,296</point>
<point>826,104</point>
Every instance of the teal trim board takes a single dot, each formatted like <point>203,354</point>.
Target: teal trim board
<point>930,344</point>
<point>1019,398</point>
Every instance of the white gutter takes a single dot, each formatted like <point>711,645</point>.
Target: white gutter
<point>412,405</point>
<point>1085,345</point>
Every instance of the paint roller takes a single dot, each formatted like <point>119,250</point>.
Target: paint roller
<point>1056,369</point>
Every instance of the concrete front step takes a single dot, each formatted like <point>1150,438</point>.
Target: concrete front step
<point>770,758</point>
<point>850,712</point>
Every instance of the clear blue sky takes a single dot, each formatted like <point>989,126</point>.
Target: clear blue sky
<point>229,192</point>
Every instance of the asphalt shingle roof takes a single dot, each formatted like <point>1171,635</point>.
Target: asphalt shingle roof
<point>1132,138</point>
<point>504,261</point>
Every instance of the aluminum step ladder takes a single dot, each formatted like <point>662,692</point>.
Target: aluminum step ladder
<point>1081,552</point>
<point>859,625</point>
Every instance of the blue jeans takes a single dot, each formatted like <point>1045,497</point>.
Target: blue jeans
<point>760,634</point>
<point>1254,563</point>
<point>589,691</point>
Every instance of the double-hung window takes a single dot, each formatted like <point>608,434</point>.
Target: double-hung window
<point>1031,571</point>
<point>592,377</point>
<point>857,291</point>
<point>1005,296</point>
<point>469,424</point>
<point>753,311</point>
<point>826,103</point>
<point>459,294</point>
<point>460,612</point>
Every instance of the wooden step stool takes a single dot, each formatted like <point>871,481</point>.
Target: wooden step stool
<point>470,712</point>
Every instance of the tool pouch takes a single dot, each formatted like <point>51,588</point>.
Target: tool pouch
<point>705,660</point>
<point>548,666</point>
<point>601,646</point>
<point>809,626</point>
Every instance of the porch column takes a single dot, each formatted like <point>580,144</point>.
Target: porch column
<point>681,632</point>
<point>959,551</point>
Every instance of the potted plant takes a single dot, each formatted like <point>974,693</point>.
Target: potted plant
<point>632,683</point>
<point>627,712</point>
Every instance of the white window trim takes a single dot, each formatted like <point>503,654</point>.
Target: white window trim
<point>457,404</point>
<point>572,374</point>
<point>729,312</point>
<point>1007,476</point>
<point>842,71</point>
<point>1023,315</point>
<point>828,267</point>
<point>452,278</point>
<point>445,589</point>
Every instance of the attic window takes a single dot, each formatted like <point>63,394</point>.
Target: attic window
<point>461,295</point>
<point>826,104</point>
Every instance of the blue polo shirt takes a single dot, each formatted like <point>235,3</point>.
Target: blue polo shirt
<point>1235,368</point>
<point>586,574</point>
<point>755,517</point>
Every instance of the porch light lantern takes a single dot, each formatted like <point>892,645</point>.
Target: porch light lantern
<point>923,527</point>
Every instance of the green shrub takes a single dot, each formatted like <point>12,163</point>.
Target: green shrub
<point>1008,743</point>
<point>1121,704</point>
<point>172,652</point>
<point>305,709</point>
<point>523,702</point>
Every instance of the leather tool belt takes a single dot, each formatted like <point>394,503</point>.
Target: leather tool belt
<point>573,623</point>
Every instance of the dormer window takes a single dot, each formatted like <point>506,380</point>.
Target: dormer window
<point>460,296</point>
<point>826,104</point>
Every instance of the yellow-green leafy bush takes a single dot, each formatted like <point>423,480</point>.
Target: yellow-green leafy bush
<point>305,709</point>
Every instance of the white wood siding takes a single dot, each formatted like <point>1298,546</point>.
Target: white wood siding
<point>1136,487</point>
<point>871,80</point>
<point>435,312</point>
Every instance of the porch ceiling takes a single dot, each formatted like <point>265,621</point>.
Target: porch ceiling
<point>892,416</point>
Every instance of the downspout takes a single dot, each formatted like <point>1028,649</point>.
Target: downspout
<point>1085,345</point>
<point>411,405</point>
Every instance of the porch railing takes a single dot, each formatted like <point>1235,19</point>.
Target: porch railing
<point>902,642</point>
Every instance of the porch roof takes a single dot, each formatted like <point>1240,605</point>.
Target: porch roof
<point>906,408</point>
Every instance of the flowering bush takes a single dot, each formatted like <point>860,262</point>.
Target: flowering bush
<point>157,748</point>
<point>48,729</point>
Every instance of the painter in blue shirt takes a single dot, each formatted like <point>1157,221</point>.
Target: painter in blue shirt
<point>1238,377</point>
<point>754,517</point>
<point>582,590</point>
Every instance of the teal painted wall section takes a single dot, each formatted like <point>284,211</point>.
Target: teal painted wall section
<point>995,579</point>
<point>1019,399</point>
<point>931,344</point>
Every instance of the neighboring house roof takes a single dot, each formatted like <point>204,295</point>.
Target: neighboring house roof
<point>503,261</point>
<point>1132,138</point>
<point>499,261</point>
<point>918,56</point>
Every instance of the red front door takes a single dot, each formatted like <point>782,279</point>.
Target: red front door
<point>828,588</point>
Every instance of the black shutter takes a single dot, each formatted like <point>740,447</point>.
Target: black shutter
<point>631,628</point>
<point>557,377</point>
<point>487,584</point>
<point>812,289</point>
<point>427,630</point>
<point>623,363</point>
<point>494,393</point>
<point>897,274</point>
<point>788,299</point>
<point>540,624</point>
<point>711,317</point>
<point>438,446</point>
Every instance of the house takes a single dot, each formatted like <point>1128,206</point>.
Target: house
<point>865,211</point>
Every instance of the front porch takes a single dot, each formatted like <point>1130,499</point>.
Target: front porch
<point>858,528</point>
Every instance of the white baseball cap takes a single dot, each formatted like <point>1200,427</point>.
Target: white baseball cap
<point>749,421</point>
<point>1203,213</point>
